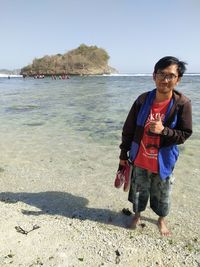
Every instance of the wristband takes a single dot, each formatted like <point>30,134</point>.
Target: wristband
<point>165,131</point>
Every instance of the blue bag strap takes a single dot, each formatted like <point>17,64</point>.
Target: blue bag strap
<point>145,109</point>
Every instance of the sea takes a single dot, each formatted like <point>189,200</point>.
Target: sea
<point>63,119</point>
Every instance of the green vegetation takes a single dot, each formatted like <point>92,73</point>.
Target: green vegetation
<point>83,60</point>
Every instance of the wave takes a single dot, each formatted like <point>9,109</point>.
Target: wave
<point>192,74</point>
<point>3,75</point>
<point>128,74</point>
<point>143,74</point>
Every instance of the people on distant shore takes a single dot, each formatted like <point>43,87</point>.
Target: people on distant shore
<point>158,121</point>
<point>60,77</point>
<point>53,77</point>
<point>39,76</point>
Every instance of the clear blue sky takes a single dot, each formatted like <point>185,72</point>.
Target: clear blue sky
<point>135,33</point>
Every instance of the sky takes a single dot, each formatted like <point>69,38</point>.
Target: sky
<point>135,33</point>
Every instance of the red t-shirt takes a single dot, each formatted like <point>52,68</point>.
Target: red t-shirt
<point>147,157</point>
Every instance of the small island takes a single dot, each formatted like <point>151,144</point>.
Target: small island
<point>84,60</point>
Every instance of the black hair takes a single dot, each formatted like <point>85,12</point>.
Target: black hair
<point>168,61</point>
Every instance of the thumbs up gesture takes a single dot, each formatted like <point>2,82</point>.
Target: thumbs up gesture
<point>156,125</point>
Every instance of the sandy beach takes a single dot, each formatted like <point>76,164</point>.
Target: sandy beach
<point>65,211</point>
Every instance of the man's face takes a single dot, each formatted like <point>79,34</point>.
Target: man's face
<point>166,79</point>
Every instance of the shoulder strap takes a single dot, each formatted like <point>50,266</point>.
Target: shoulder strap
<point>145,108</point>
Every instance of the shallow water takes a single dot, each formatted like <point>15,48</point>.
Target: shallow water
<point>50,115</point>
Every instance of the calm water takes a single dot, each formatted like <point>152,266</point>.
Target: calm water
<point>86,109</point>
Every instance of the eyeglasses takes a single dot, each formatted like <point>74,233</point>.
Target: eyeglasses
<point>168,77</point>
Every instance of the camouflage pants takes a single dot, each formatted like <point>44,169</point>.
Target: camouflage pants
<point>145,184</point>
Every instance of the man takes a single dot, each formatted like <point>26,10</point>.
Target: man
<point>158,121</point>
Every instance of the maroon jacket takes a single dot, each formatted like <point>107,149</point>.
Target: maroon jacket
<point>178,135</point>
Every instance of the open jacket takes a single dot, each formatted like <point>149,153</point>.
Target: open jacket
<point>178,121</point>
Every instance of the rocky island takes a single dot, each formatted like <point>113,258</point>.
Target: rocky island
<point>84,60</point>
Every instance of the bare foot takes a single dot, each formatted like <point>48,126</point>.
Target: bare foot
<point>135,222</point>
<point>164,231</point>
